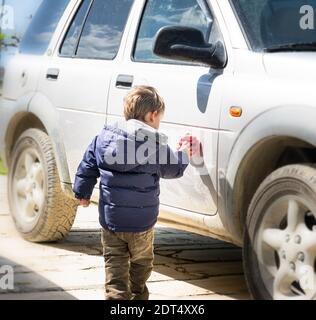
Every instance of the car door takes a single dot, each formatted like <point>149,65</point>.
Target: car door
<point>77,77</point>
<point>24,68</point>
<point>192,94</point>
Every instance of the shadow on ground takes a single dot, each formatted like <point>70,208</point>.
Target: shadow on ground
<point>180,256</point>
<point>24,279</point>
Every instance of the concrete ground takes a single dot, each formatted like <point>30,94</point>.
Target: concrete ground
<point>187,266</point>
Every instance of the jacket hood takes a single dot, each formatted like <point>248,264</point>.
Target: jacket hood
<point>141,131</point>
<point>128,144</point>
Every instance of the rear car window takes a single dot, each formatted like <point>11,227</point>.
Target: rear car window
<point>42,27</point>
<point>71,40</point>
<point>103,29</point>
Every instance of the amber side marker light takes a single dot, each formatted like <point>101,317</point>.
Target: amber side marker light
<point>235,112</point>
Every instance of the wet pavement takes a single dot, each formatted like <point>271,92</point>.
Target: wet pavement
<point>187,266</point>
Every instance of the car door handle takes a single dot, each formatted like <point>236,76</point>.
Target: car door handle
<point>52,74</point>
<point>124,81</point>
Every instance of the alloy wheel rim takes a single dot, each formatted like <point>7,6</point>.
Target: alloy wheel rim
<point>286,249</point>
<point>29,187</point>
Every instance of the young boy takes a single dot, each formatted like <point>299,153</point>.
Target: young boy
<point>130,157</point>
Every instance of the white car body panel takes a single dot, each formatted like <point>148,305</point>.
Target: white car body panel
<point>74,109</point>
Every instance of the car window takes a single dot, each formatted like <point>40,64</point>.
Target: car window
<point>157,14</point>
<point>269,23</point>
<point>73,33</point>
<point>42,27</point>
<point>103,29</point>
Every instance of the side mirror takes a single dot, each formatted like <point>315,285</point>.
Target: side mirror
<point>188,44</point>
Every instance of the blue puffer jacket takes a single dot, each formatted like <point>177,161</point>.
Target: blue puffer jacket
<point>130,158</point>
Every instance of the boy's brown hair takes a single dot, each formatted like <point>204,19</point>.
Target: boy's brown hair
<point>141,100</point>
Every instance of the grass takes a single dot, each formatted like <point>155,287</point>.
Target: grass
<point>3,171</point>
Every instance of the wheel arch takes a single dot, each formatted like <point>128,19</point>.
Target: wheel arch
<point>276,138</point>
<point>20,122</point>
<point>42,115</point>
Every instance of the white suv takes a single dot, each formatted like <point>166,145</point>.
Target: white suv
<point>239,74</point>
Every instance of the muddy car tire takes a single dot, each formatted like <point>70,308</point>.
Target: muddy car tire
<point>39,208</point>
<point>280,236</point>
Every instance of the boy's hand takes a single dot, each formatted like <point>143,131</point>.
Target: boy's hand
<point>84,202</point>
<point>184,146</point>
<point>191,142</point>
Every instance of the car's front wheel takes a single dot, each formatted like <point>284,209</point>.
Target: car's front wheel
<point>39,208</point>
<point>280,236</point>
